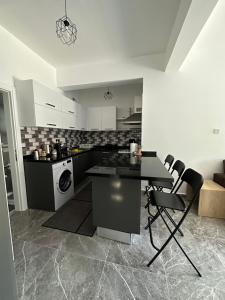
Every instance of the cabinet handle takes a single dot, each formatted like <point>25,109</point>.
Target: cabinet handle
<point>108,129</point>
<point>71,112</point>
<point>50,104</point>
<point>71,127</point>
<point>50,124</point>
<point>94,129</point>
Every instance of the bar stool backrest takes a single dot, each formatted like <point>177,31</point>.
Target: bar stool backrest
<point>179,167</point>
<point>169,160</point>
<point>195,180</point>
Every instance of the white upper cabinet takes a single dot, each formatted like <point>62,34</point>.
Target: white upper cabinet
<point>94,118</point>
<point>47,117</point>
<point>68,105</point>
<point>81,117</point>
<point>101,118</point>
<point>45,96</point>
<point>109,118</point>
<point>68,121</point>
<point>41,106</point>
<point>137,104</point>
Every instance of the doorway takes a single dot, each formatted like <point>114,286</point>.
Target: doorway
<point>6,157</point>
<point>12,150</point>
<point>9,195</point>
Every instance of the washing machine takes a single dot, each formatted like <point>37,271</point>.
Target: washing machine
<point>63,182</point>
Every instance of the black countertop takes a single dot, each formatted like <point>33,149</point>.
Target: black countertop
<point>52,159</point>
<point>129,166</point>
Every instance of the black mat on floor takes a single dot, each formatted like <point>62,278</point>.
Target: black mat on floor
<point>85,194</point>
<point>74,216</point>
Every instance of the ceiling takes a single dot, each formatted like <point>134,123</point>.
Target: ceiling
<point>108,30</point>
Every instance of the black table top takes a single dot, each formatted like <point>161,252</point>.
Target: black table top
<point>129,166</point>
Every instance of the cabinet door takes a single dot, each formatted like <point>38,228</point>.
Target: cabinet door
<point>68,121</point>
<point>94,116</point>
<point>81,117</point>
<point>68,105</point>
<point>76,171</point>
<point>45,96</point>
<point>109,118</point>
<point>71,121</point>
<point>47,117</point>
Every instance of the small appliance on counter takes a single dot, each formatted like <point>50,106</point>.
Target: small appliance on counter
<point>133,146</point>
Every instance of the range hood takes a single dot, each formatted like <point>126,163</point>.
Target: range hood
<point>134,119</point>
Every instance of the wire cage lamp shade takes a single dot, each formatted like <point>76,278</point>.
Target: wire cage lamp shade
<point>66,30</point>
<point>108,95</point>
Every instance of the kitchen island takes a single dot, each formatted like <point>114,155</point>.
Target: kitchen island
<point>116,192</point>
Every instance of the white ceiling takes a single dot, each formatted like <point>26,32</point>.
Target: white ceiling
<point>107,29</point>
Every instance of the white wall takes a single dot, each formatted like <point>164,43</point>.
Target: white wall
<point>180,109</point>
<point>17,60</point>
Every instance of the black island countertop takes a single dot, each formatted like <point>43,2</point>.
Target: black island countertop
<point>132,167</point>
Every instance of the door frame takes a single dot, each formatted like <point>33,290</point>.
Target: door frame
<point>15,146</point>
<point>8,288</point>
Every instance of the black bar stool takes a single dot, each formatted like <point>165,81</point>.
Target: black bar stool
<point>174,201</point>
<point>168,163</point>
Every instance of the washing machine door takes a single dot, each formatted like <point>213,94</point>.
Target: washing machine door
<point>64,181</point>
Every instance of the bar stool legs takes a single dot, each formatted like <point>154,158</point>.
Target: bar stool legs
<point>172,235</point>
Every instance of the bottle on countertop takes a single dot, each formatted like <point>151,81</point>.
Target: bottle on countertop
<point>133,146</point>
<point>54,154</point>
<point>36,154</point>
<point>58,147</point>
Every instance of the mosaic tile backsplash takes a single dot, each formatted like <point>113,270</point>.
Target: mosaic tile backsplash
<point>34,137</point>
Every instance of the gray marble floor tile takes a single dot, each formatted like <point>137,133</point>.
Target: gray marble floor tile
<point>80,270</point>
<point>124,283</point>
<point>218,245</point>
<point>17,250</point>
<point>44,236</point>
<point>136,255</point>
<point>92,247</point>
<point>200,251</point>
<point>203,226</point>
<point>24,222</point>
<point>66,276</point>
<point>33,260</point>
<point>189,287</point>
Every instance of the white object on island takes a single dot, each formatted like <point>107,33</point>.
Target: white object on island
<point>133,147</point>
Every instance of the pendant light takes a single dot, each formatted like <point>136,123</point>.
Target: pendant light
<point>108,95</point>
<point>66,30</point>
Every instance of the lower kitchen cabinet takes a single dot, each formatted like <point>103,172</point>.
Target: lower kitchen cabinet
<point>81,163</point>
